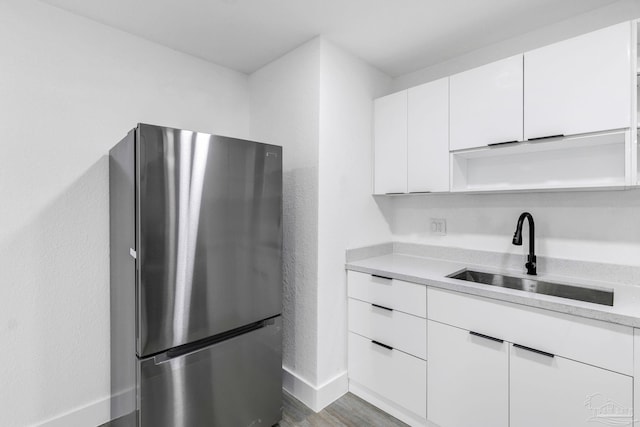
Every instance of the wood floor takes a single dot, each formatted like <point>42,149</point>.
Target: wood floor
<point>348,411</point>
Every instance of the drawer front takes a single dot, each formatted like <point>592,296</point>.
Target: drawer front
<point>390,373</point>
<point>598,343</point>
<point>397,329</point>
<point>402,296</point>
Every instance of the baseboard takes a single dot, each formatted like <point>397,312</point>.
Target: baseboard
<point>388,406</point>
<point>316,398</point>
<point>93,414</point>
<point>123,403</point>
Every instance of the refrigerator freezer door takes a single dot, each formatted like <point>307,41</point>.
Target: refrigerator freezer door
<point>237,382</point>
<point>209,233</point>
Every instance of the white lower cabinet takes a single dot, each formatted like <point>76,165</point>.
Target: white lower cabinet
<point>468,381</point>
<point>481,381</point>
<point>446,359</point>
<point>558,392</point>
<point>498,364</point>
<point>392,374</point>
<point>388,345</point>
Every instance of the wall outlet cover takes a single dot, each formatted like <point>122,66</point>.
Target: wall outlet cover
<point>438,226</point>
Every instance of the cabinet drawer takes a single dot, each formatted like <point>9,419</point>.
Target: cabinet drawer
<point>399,330</point>
<point>396,294</point>
<point>392,374</point>
<point>598,343</point>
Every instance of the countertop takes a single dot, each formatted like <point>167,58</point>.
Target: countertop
<point>432,272</point>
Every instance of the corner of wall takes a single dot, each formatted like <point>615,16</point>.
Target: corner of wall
<point>284,98</point>
<point>315,397</point>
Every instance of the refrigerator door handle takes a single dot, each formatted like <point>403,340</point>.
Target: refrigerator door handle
<point>203,344</point>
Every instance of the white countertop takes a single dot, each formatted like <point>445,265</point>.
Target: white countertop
<point>433,272</point>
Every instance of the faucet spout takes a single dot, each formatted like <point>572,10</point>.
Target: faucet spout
<point>517,240</point>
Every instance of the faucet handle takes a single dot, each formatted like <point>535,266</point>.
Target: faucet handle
<point>531,265</point>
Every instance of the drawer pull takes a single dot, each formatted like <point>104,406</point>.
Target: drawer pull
<point>494,144</point>
<point>477,334</point>
<point>380,277</point>
<point>533,350</point>
<point>540,138</point>
<point>388,347</point>
<point>382,307</point>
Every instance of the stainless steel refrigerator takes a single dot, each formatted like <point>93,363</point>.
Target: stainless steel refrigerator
<point>196,280</point>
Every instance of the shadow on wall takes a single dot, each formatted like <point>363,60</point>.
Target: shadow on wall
<point>54,321</point>
<point>300,269</point>
<point>601,216</point>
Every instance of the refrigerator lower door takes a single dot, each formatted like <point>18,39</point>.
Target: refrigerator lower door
<point>236,382</point>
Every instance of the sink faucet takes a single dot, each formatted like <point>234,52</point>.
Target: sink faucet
<point>517,240</point>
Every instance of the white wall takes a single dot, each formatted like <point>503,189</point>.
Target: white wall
<point>589,226</point>
<point>69,90</point>
<point>316,102</point>
<point>348,215</point>
<point>622,10</point>
<point>284,111</point>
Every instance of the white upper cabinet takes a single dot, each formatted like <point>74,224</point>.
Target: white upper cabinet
<point>428,137</point>
<point>579,85</point>
<point>486,104</point>
<point>390,144</point>
<point>447,135</point>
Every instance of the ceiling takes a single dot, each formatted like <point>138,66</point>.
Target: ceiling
<point>396,36</point>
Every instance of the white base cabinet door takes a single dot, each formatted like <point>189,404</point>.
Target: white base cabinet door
<point>558,392</point>
<point>579,85</point>
<point>390,144</point>
<point>468,378</point>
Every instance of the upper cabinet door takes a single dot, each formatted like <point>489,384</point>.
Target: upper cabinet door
<point>428,137</point>
<point>579,85</point>
<point>486,104</point>
<point>390,144</point>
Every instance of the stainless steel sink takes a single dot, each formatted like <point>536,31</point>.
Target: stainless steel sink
<point>596,295</point>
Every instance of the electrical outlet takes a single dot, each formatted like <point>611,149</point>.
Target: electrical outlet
<point>439,226</point>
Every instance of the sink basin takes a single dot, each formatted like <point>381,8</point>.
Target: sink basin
<point>595,295</point>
